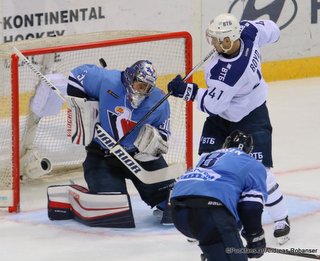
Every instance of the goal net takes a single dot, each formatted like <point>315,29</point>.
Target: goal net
<point>29,143</point>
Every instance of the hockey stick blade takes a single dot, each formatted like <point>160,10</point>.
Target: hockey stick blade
<point>147,177</point>
<point>291,253</point>
<point>166,96</point>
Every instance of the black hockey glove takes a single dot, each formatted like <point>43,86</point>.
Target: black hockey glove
<point>256,244</point>
<point>181,89</point>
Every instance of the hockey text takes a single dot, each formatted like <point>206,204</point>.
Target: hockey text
<point>255,61</point>
<point>126,160</point>
<point>119,152</point>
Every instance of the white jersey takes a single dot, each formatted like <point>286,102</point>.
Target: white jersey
<point>235,86</point>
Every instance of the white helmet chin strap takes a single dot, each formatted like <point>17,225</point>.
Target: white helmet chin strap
<point>226,50</point>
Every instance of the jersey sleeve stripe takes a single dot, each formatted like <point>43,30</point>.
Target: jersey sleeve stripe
<point>75,83</point>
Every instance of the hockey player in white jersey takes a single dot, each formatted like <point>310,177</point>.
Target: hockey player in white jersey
<point>225,189</point>
<point>235,98</point>
<point>124,98</point>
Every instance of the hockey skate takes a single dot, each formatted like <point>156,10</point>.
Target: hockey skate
<point>164,215</point>
<point>282,230</point>
<point>166,219</point>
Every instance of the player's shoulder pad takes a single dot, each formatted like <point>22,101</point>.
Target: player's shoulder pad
<point>248,30</point>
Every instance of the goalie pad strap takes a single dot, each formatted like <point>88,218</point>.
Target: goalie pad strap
<point>96,210</point>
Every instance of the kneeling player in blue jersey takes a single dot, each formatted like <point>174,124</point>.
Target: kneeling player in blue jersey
<point>124,98</point>
<point>225,189</point>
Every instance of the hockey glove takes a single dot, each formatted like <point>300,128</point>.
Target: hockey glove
<point>256,243</point>
<point>150,144</point>
<point>181,89</point>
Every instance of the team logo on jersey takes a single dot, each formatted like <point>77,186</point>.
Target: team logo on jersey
<point>201,174</point>
<point>120,121</point>
<point>223,73</point>
<point>207,140</point>
<point>257,155</point>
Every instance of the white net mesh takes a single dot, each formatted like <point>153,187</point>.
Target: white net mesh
<point>167,55</point>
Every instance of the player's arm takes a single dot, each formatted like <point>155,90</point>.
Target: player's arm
<point>83,93</point>
<point>268,31</point>
<point>212,100</point>
<point>250,208</point>
<point>253,197</point>
<point>84,82</point>
<point>216,98</point>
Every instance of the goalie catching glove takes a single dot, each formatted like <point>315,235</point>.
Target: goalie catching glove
<point>181,89</point>
<point>150,144</point>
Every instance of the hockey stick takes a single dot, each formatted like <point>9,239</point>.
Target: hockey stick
<point>41,76</point>
<point>28,152</point>
<point>291,253</point>
<point>164,98</point>
<point>147,177</point>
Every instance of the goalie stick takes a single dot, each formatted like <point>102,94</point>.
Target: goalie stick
<point>147,177</point>
<point>164,98</point>
<point>41,76</point>
<point>28,152</point>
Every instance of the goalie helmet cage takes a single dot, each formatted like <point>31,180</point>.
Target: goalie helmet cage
<point>170,53</point>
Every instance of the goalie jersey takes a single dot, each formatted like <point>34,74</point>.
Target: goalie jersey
<point>235,84</point>
<point>117,116</point>
<point>229,175</point>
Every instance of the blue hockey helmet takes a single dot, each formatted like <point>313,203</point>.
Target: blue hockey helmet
<point>139,80</point>
<point>240,140</point>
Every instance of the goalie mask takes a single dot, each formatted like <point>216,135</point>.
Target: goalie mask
<point>224,25</point>
<point>240,140</point>
<point>139,80</point>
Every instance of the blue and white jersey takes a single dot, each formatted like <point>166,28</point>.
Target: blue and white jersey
<point>229,175</point>
<point>235,86</point>
<point>117,116</point>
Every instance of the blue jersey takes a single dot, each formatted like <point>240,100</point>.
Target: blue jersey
<point>117,116</point>
<point>229,175</point>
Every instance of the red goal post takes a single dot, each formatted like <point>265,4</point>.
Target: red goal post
<point>22,133</point>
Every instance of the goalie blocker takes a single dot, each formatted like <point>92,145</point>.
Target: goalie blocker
<point>95,210</point>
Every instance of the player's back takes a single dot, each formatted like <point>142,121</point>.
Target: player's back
<point>223,175</point>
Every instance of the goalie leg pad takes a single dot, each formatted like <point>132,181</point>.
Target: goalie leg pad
<point>111,209</point>
<point>59,207</point>
<point>82,117</point>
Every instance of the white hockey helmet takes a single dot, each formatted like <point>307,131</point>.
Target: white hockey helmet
<point>224,25</point>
